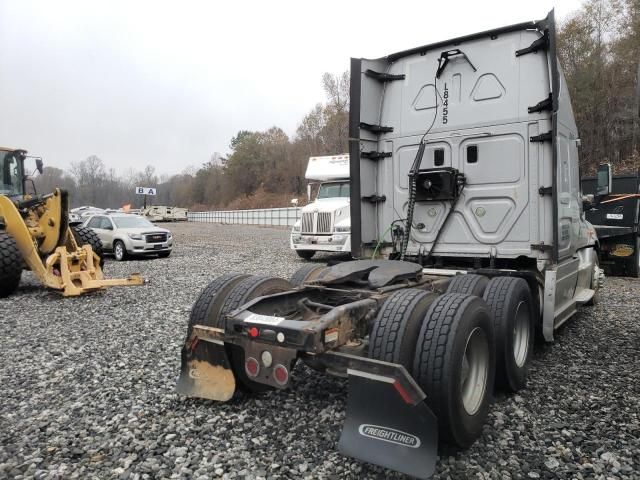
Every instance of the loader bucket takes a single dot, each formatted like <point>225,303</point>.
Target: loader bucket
<point>205,371</point>
<point>383,428</point>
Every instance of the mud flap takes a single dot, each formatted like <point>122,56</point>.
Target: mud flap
<point>384,429</point>
<point>205,371</point>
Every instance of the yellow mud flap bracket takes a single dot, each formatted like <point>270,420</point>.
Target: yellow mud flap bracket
<point>205,371</point>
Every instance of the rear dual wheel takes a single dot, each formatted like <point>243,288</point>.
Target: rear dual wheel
<point>307,273</point>
<point>512,309</point>
<point>446,342</point>
<point>224,295</point>
<point>206,310</point>
<point>243,292</point>
<point>469,283</point>
<point>454,364</point>
<point>511,305</point>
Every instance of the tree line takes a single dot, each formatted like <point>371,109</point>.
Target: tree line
<point>598,47</point>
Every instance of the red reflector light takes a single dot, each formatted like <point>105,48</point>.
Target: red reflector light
<point>253,332</point>
<point>403,393</point>
<point>281,374</point>
<point>252,367</point>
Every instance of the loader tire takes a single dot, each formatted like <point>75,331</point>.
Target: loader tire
<point>206,310</point>
<point>86,236</point>
<point>511,306</point>
<point>455,365</point>
<point>395,329</point>
<point>306,254</point>
<point>306,273</point>
<point>241,293</point>
<point>11,263</point>
<point>469,283</point>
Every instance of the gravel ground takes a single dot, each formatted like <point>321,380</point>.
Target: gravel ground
<point>87,386</point>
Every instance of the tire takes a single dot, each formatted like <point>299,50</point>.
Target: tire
<point>241,293</point>
<point>305,274</point>
<point>469,283</point>
<point>86,236</point>
<point>11,263</point>
<point>206,310</point>
<point>395,329</point>
<point>595,277</point>
<point>456,332</point>
<point>511,306</point>
<point>119,250</point>
<point>633,268</point>
<point>306,254</point>
<point>164,254</point>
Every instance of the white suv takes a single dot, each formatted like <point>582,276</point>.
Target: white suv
<point>125,234</point>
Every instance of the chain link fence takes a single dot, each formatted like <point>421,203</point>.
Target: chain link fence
<point>274,217</point>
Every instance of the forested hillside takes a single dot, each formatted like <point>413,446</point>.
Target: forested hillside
<point>599,49</point>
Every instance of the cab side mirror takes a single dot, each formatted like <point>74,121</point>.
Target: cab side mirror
<point>587,202</point>
<point>309,192</point>
<point>604,180</point>
<point>39,165</point>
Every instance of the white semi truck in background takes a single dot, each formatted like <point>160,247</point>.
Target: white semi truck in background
<point>325,224</point>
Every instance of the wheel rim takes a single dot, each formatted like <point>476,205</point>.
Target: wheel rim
<point>119,252</point>
<point>475,371</point>
<point>521,334</point>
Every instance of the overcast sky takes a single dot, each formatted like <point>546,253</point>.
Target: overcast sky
<point>169,83</point>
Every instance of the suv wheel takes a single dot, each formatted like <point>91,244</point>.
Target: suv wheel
<point>119,250</point>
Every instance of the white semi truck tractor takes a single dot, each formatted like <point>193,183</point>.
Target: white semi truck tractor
<point>325,224</point>
<point>469,238</point>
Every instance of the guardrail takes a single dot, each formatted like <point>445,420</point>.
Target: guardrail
<point>263,216</point>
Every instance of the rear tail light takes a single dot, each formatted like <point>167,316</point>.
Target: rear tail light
<point>253,332</point>
<point>252,367</point>
<point>281,374</point>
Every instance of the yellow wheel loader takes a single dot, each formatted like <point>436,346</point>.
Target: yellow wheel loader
<point>35,235</point>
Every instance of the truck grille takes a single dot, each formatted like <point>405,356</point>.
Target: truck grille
<point>307,223</point>
<point>319,222</point>
<point>324,222</point>
<point>156,237</point>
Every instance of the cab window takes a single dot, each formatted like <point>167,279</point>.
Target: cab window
<point>333,190</point>
<point>94,222</point>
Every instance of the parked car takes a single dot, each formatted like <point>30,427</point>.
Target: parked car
<point>125,235</point>
<point>74,219</point>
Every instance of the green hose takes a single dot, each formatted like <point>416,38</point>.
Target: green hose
<point>380,241</point>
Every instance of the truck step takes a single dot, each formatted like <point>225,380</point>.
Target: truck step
<point>584,295</point>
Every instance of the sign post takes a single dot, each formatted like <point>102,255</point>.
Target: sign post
<point>145,191</point>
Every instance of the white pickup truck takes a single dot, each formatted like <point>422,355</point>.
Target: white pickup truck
<point>325,224</point>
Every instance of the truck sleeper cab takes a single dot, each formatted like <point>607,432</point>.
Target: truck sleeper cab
<point>467,223</point>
